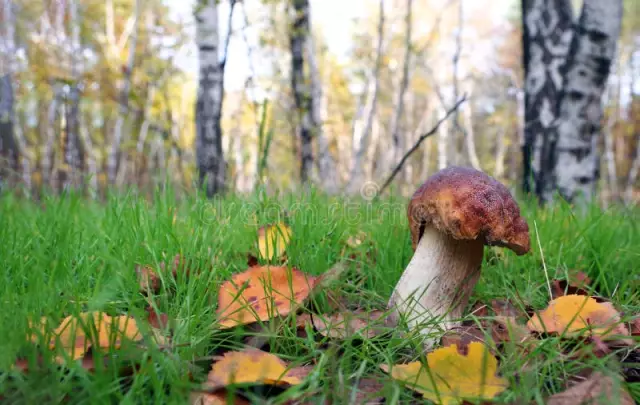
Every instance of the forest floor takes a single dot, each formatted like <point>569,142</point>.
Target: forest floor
<point>65,256</point>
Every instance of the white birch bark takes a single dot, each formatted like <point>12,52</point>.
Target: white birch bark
<point>443,142</point>
<point>209,151</point>
<point>326,161</point>
<point>73,156</point>
<point>399,145</point>
<point>469,135</point>
<point>9,150</point>
<point>48,152</point>
<point>362,131</point>
<point>546,37</point>
<point>593,47</point>
<point>123,100</point>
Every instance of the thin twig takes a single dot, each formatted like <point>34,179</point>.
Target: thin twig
<point>420,140</point>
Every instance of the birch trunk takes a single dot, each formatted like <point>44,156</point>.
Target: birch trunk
<point>123,100</point>
<point>398,147</point>
<point>48,152</point>
<point>73,156</point>
<point>326,161</point>
<point>9,155</point>
<point>361,136</point>
<point>443,143</point>
<point>209,152</point>
<point>469,135</point>
<point>574,157</point>
<point>546,36</point>
<point>501,151</point>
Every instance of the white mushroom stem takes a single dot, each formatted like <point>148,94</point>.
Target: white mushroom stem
<point>436,284</point>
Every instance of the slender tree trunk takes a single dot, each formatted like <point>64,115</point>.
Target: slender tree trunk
<point>300,32</point>
<point>397,150</point>
<point>632,177</point>
<point>326,161</point>
<point>9,153</point>
<point>357,172</point>
<point>92,161</point>
<point>443,143</point>
<point>73,156</point>
<point>455,128</point>
<point>574,157</point>
<point>501,151</point>
<point>52,127</point>
<point>123,100</point>
<point>546,35</point>
<point>611,96</point>
<point>209,152</point>
<point>469,136</point>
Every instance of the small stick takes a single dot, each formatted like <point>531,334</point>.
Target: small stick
<point>417,144</point>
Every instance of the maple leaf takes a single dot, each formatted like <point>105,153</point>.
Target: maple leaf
<point>273,240</point>
<point>250,366</point>
<point>572,315</point>
<point>598,389</point>
<point>261,293</point>
<point>450,378</point>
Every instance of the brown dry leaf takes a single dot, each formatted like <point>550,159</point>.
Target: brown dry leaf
<point>598,389</point>
<point>462,336</point>
<point>346,324</point>
<point>572,315</point>
<point>217,398</point>
<point>505,308</point>
<point>450,377</point>
<point>576,283</point>
<point>149,279</point>
<point>261,293</point>
<point>356,240</point>
<point>249,366</point>
<point>635,326</point>
<point>507,329</point>
<point>273,240</point>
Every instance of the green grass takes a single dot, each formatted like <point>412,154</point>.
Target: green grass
<point>62,256</point>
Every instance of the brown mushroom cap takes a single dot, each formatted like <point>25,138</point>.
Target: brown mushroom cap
<point>468,204</point>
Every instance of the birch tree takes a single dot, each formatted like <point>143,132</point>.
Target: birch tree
<point>363,126</point>
<point>9,158</point>
<point>574,153</point>
<point>305,102</point>
<point>73,156</point>
<point>209,152</point>
<point>399,146</point>
<point>123,100</point>
<point>546,34</point>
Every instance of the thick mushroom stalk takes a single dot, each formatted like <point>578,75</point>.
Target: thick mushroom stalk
<point>436,284</point>
<point>452,216</point>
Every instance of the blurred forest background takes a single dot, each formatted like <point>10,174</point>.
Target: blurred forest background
<point>104,94</point>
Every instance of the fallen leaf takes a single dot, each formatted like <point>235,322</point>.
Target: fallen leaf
<point>261,293</point>
<point>149,279</point>
<point>598,389</point>
<point>507,329</point>
<point>75,334</point>
<point>273,240</point>
<point>356,240</point>
<point>249,366</point>
<point>572,315</point>
<point>462,336</point>
<point>575,285</point>
<point>505,308</point>
<point>217,398</point>
<point>450,378</point>
<point>635,326</point>
<point>157,319</point>
<point>347,324</point>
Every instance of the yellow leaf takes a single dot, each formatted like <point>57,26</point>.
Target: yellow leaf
<point>250,366</point>
<point>571,315</point>
<point>261,293</point>
<point>75,333</point>
<point>273,240</point>
<point>450,377</point>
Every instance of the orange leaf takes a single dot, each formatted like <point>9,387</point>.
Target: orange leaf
<point>261,293</point>
<point>449,377</point>
<point>571,315</point>
<point>251,366</point>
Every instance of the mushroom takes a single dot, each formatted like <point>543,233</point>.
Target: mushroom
<point>452,216</point>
